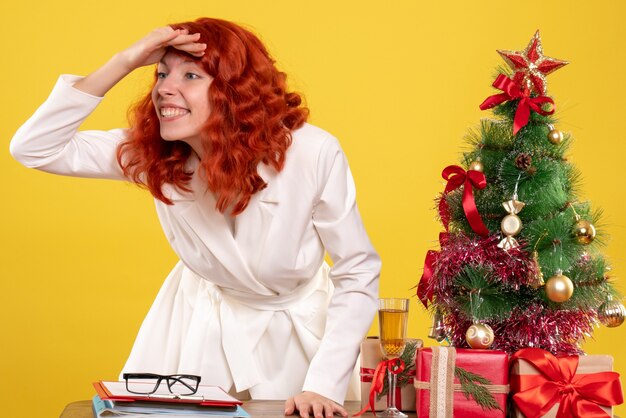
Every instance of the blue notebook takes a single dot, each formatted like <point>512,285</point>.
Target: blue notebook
<point>106,408</point>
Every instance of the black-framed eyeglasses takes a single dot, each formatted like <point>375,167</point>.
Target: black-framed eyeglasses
<point>148,383</point>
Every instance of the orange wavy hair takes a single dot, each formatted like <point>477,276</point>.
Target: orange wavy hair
<point>252,116</point>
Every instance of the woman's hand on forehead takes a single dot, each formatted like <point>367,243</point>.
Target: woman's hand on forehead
<point>151,48</point>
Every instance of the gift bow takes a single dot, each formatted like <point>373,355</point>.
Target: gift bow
<point>425,288</point>
<point>512,91</point>
<point>367,375</point>
<point>578,395</point>
<point>394,366</point>
<point>456,176</point>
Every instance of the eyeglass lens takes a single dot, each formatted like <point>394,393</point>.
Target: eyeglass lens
<point>146,384</point>
<point>182,385</point>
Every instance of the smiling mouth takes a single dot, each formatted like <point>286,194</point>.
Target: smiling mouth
<point>173,112</point>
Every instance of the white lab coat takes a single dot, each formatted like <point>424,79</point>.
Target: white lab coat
<point>254,308</point>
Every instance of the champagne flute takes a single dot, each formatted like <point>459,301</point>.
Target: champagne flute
<point>393,315</point>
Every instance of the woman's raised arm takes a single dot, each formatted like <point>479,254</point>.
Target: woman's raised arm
<point>50,140</point>
<point>148,50</point>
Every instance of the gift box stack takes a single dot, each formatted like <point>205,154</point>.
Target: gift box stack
<point>537,383</point>
<point>448,382</point>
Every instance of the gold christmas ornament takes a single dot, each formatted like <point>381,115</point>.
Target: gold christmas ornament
<point>511,224</point>
<point>479,336</point>
<point>559,288</point>
<point>476,166</point>
<point>538,279</point>
<point>555,136</point>
<point>611,313</point>
<point>436,332</point>
<point>584,231</point>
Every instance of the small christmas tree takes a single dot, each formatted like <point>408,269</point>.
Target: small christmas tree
<point>519,264</point>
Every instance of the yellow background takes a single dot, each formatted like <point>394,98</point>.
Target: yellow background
<point>397,82</point>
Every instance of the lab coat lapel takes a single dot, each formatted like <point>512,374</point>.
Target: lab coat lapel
<point>254,224</point>
<point>239,253</point>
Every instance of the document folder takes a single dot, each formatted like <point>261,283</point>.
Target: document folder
<point>205,396</point>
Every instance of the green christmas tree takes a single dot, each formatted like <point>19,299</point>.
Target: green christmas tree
<point>520,262</point>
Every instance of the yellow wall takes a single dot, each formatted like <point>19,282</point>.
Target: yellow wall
<point>399,83</point>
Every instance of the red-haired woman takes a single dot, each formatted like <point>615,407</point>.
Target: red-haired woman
<point>249,196</point>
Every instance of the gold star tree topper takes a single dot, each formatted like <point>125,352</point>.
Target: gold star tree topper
<point>531,66</point>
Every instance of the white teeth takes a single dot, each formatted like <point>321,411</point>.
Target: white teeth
<point>170,112</point>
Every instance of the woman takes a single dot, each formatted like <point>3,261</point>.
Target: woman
<point>249,196</point>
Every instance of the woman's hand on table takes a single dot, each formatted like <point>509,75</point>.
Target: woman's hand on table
<point>311,404</point>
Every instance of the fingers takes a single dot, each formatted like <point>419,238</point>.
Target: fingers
<point>186,42</point>
<point>163,36</point>
<point>196,49</point>
<point>290,406</point>
<point>321,409</point>
<point>327,409</point>
<point>317,405</point>
<point>303,409</point>
<point>339,410</point>
<point>182,37</point>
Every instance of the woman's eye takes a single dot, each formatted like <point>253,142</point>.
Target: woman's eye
<point>191,76</point>
<point>161,75</point>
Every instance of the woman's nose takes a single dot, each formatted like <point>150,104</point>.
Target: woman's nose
<point>167,87</point>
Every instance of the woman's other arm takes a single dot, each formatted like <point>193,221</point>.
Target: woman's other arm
<point>355,274</point>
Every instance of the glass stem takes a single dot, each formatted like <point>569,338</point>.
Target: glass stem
<point>391,384</point>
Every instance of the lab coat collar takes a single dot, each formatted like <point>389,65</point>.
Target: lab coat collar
<point>216,234</point>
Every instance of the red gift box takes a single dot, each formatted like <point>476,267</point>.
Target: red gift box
<point>544,385</point>
<point>439,393</point>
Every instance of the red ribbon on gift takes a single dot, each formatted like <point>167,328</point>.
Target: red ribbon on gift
<point>367,375</point>
<point>512,91</point>
<point>578,395</point>
<point>424,288</point>
<point>394,366</point>
<point>456,176</point>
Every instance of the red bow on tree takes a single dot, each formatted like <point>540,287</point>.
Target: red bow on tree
<point>512,91</point>
<point>425,288</point>
<point>456,176</point>
<point>578,395</point>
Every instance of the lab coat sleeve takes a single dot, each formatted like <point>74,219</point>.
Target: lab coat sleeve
<point>355,274</point>
<point>50,141</point>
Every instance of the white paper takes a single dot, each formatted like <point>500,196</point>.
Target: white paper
<point>205,392</point>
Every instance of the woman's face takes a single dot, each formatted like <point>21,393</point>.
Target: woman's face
<point>181,99</point>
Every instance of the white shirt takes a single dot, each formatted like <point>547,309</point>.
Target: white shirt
<point>253,305</point>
